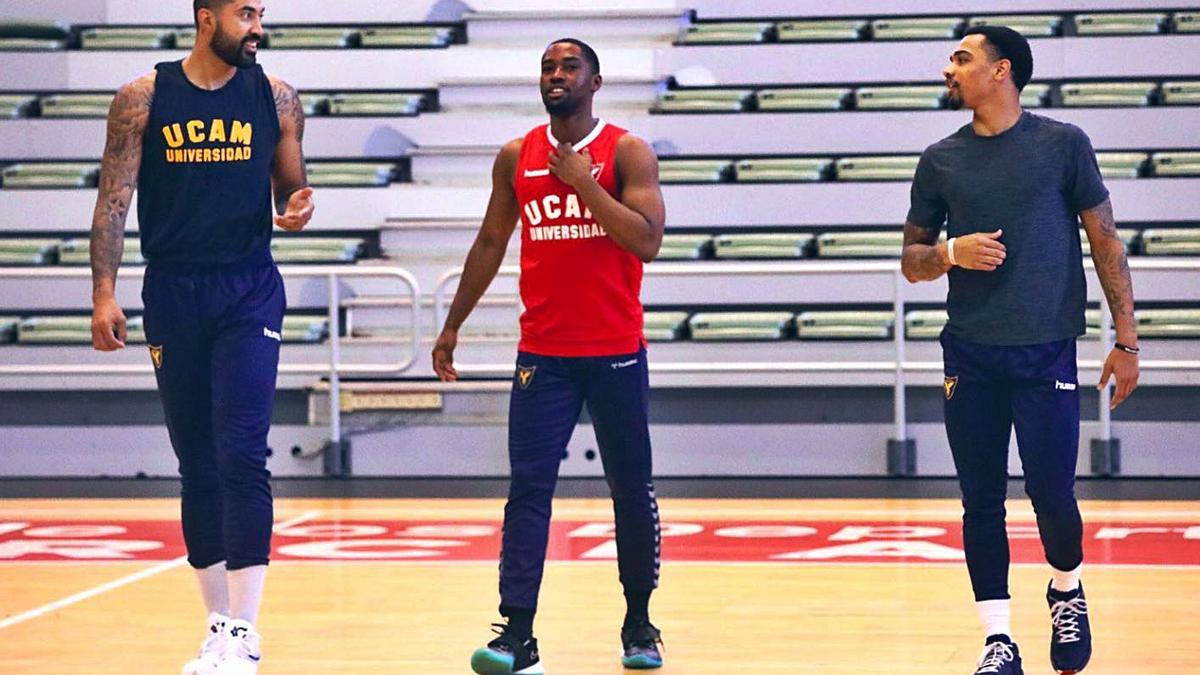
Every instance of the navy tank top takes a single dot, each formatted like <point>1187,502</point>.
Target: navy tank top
<point>204,188</point>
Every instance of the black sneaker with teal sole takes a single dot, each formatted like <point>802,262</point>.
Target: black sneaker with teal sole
<point>508,654</point>
<point>1071,641</point>
<point>641,641</point>
<point>1000,657</point>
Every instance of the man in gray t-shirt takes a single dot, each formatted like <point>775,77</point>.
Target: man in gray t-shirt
<point>1011,188</point>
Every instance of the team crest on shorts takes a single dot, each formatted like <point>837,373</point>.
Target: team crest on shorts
<point>525,375</point>
<point>156,353</point>
<point>949,386</point>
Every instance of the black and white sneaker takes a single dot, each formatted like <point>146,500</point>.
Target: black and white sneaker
<point>1000,657</point>
<point>641,641</point>
<point>508,654</point>
<point>1071,637</point>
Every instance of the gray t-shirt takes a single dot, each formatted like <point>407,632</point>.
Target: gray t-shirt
<point>1030,181</point>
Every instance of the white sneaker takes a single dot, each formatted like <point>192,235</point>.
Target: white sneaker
<point>211,650</point>
<point>241,654</point>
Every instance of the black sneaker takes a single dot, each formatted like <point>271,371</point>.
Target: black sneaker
<point>1000,657</point>
<point>508,654</point>
<point>641,641</point>
<point>1071,637</point>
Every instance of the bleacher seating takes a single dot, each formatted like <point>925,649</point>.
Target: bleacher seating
<point>1168,323</point>
<point>844,325</point>
<point>751,246</point>
<point>105,37</point>
<point>694,170</point>
<point>803,98</point>
<point>1108,94</point>
<point>1029,25</point>
<point>658,326</point>
<point>917,28</point>
<point>877,168</point>
<point>726,31</point>
<point>704,100</point>
<point>821,30</point>
<point>350,174</point>
<point>1171,241</point>
<point>716,326</point>
<point>1181,93</point>
<point>783,169</point>
<point>16,105</point>
<point>20,35</point>
<point>27,251</point>
<point>1176,163</point>
<point>75,105</point>
<point>49,175</point>
<point>899,98</point>
<point>685,246</point>
<point>1121,24</point>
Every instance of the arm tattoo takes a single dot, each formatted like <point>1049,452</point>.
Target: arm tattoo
<point>920,260</point>
<point>127,119</point>
<point>290,109</point>
<point>1108,254</point>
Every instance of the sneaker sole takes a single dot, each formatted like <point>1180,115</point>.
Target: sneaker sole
<point>1074,671</point>
<point>641,662</point>
<point>487,662</point>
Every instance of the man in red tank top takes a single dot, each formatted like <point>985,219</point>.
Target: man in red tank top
<point>587,196</point>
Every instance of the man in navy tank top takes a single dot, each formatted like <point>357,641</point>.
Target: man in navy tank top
<point>211,144</point>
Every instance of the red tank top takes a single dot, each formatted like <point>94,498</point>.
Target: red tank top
<point>579,288</point>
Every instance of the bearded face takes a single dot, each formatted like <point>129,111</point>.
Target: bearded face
<point>239,50</point>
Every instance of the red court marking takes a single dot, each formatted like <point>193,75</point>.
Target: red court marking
<point>855,541</point>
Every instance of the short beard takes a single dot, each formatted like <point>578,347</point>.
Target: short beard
<point>563,108</point>
<point>231,52</point>
<point>954,102</point>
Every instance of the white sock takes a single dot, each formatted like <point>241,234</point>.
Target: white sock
<point>1065,582</point>
<point>246,591</point>
<point>995,617</point>
<point>214,588</point>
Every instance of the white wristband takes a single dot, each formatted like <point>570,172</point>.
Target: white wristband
<point>950,251</point>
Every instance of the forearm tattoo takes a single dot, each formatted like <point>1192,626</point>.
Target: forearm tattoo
<point>1112,266</point>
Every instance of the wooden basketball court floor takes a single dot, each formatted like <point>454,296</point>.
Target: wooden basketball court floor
<point>372,586</point>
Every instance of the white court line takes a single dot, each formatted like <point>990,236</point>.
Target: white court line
<point>124,581</point>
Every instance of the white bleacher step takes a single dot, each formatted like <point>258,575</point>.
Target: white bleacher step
<point>874,168</point>
<point>1176,163</point>
<point>844,325</point>
<point>900,97</point>
<point>76,105</point>
<point>756,246</point>
<point>718,326</point>
<point>665,326</point>
<point>1171,241</point>
<point>803,98</point>
<point>1132,23</point>
<point>1181,93</point>
<point>1122,164</point>
<point>726,32</point>
<point>1029,25</point>
<point>703,100</point>
<point>110,37</point>
<point>604,27</point>
<point>821,30</point>
<point>786,169</point>
<point>916,28</point>
<point>1107,94</point>
<point>684,247</point>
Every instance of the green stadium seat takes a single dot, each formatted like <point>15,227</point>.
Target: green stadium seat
<point>803,98</point>
<point>1176,163</point>
<point>917,28</point>
<point>1122,164</point>
<point>311,37</point>
<point>20,35</point>
<point>407,36</point>
<point>665,326</point>
<point>382,104</point>
<point>23,251</point>
<point>901,167</point>
<point>8,329</point>
<point>13,106</point>
<point>316,249</point>
<point>1171,241</point>
<point>726,32</point>
<point>1029,25</point>
<point>1181,93</point>
<point>1168,323</point>
<point>694,170</point>
<point>79,252</point>
<point>899,98</point>
<point>788,245</point>
<point>310,329</point>
<point>350,174</point>
<point>49,175</point>
<point>819,31</point>
<point>844,325</point>
<point>925,324</point>
<point>733,326</point>
<point>106,37</point>
<point>314,104</point>
<point>72,329</point>
<point>1108,94</point>
<point>1127,236</point>
<point>870,244</point>
<point>185,38</point>
<point>703,100</point>
<point>1145,23</point>
<point>787,169</point>
<point>1186,22</point>
<point>76,105</point>
<point>1035,95</point>
<point>685,247</point>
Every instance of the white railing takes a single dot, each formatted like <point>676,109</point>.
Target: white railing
<point>899,366</point>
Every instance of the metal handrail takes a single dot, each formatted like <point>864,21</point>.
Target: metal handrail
<point>900,365</point>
